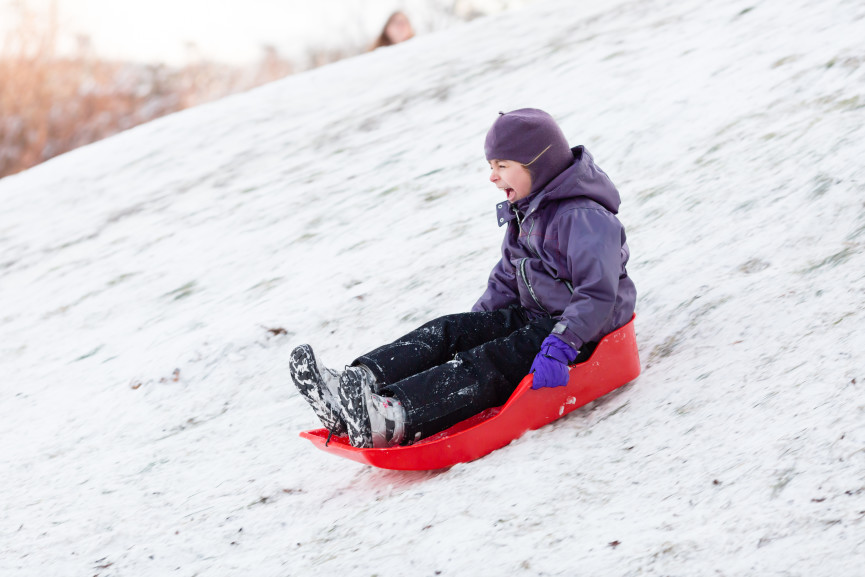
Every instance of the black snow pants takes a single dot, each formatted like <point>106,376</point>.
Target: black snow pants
<point>457,365</point>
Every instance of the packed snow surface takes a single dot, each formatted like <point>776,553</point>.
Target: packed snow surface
<point>153,284</point>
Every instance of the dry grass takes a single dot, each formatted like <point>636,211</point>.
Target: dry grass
<point>50,104</point>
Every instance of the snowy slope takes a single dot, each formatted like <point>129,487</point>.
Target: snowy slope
<point>153,284</point>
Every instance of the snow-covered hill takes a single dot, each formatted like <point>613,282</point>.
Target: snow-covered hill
<point>153,284</point>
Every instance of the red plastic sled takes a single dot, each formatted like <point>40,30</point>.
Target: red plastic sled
<point>615,362</point>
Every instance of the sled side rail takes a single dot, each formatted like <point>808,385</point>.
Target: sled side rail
<point>615,362</point>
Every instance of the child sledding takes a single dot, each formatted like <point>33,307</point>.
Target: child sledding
<point>560,286</point>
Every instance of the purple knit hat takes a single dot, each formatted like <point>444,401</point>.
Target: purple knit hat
<point>532,138</point>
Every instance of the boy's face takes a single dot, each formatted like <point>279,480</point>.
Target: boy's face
<point>512,178</point>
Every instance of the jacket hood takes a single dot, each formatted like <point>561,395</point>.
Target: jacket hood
<point>581,179</point>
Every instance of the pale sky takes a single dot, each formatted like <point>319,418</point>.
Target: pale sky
<point>224,30</point>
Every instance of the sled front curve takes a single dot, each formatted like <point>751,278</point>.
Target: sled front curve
<point>615,362</point>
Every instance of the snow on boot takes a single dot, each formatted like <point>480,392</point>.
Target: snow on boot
<point>318,385</point>
<point>355,387</point>
<point>372,420</point>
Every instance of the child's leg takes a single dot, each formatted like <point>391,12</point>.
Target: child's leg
<point>477,379</point>
<point>438,341</point>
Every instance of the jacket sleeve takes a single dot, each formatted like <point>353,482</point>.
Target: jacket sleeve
<point>501,287</point>
<point>590,243</point>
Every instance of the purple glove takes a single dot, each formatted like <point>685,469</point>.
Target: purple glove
<point>551,365</point>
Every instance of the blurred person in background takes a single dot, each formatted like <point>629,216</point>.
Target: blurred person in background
<point>397,29</point>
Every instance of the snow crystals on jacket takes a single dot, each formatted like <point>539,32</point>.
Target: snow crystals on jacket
<point>564,255</point>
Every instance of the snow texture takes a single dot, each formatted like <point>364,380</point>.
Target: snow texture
<point>153,284</point>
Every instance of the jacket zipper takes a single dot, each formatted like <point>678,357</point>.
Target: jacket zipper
<point>529,235</point>
<point>535,252</point>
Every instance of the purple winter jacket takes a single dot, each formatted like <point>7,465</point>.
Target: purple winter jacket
<point>564,255</point>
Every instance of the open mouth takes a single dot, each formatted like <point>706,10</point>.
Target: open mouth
<point>510,193</point>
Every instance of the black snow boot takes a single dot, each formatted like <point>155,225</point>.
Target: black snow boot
<point>372,420</point>
<point>318,385</point>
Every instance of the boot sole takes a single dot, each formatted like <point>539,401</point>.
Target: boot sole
<point>309,382</point>
<point>354,410</point>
